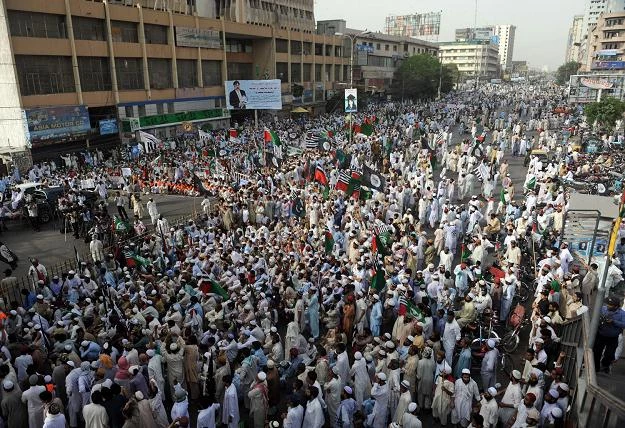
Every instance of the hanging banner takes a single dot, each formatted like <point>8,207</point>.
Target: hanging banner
<point>254,94</point>
<point>351,100</point>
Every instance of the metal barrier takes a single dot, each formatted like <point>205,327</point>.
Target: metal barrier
<point>590,404</point>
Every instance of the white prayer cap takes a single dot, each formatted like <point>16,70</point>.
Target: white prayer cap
<point>412,407</point>
<point>492,391</point>
<point>8,385</point>
<point>347,389</point>
<point>357,355</point>
<point>466,371</point>
<point>381,376</point>
<point>405,384</point>
<point>262,376</point>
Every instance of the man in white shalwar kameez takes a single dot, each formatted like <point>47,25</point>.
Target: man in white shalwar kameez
<point>465,391</point>
<point>333,394</point>
<point>405,399</point>
<point>380,393</point>
<point>313,416</point>
<point>230,406</point>
<point>361,379</point>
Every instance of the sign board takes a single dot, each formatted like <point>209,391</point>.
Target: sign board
<point>53,123</point>
<point>254,94</point>
<point>607,52</point>
<point>364,48</point>
<point>608,65</point>
<point>135,124</point>
<point>596,83</point>
<point>108,127</point>
<point>197,38</point>
<point>351,100</point>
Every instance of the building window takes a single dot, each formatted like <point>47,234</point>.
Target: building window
<point>282,71</point>
<point>318,49</point>
<point>238,45</point>
<point>337,51</point>
<point>296,69</point>
<point>160,73</point>
<point>307,48</point>
<point>122,31</point>
<point>129,73</point>
<point>211,73</point>
<point>296,47</point>
<point>282,46</point>
<point>385,47</point>
<point>155,34</point>
<point>240,71</point>
<point>337,73</point>
<point>328,50</point>
<point>328,72</point>
<point>187,73</point>
<point>40,75</point>
<point>394,48</point>
<point>377,46</point>
<point>318,73</point>
<point>307,72</point>
<point>95,73</point>
<point>89,28</point>
<point>160,108</point>
<point>33,24</point>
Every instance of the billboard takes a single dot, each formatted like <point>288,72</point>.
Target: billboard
<point>351,100</point>
<point>415,25</point>
<point>585,88</point>
<point>108,126</point>
<point>197,38</point>
<point>254,94</point>
<point>608,65</point>
<point>57,122</point>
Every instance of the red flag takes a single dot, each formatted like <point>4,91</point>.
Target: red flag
<point>233,133</point>
<point>267,136</point>
<point>374,245</point>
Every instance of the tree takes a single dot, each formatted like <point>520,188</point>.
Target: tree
<point>418,78</point>
<point>605,112</point>
<point>565,71</point>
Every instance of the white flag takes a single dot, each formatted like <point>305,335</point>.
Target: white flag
<point>150,142</point>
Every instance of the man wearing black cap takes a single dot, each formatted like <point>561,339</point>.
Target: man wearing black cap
<point>611,325</point>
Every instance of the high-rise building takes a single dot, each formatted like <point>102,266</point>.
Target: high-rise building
<point>594,9</point>
<point>505,35</point>
<point>574,42</point>
<point>501,35</point>
<point>79,73</point>
<point>605,45</point>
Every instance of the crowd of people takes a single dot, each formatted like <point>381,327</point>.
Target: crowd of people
<point>302,298</point>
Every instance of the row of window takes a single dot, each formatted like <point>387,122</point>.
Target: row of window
<point>281,9</point>
<point>415,50</point>
<point>297,69</point>
<point>39,75</point>
<point>298,47</point>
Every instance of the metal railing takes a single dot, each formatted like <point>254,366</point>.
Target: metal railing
<point>590,404</point>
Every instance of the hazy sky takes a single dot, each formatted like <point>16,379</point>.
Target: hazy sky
<point>542,25</point>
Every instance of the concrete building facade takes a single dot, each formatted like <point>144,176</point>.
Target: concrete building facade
<point>575,39</point>
<point>606,45</point>
<point>473,58</point>
<point>505,35</point>
<point>376,55</point>
<point>146,68</point>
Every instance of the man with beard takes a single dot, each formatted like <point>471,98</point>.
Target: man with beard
<point>511,398</point>
<point>465,391</point>
<point>523,410</point>
<point>551,402</point>
<point>489,408</point>
<point>533,387</point>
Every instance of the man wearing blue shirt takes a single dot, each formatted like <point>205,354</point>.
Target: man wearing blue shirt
<point>611,326</point>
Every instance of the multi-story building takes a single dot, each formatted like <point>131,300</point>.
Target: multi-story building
<point>575,39</point>
<point>501,35</point>
<point>505,35</point>
<point>594,9</point>
<point>606,45</point>
<point>476,58</point>
<point>377,56</point>
<point>72,64</point>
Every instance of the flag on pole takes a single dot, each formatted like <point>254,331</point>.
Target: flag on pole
<point>320,176</point>
<point>502,196</point>
<point>328,243</point>
<point>209,286</point>
<point>379,277</point>
<point>78,260</point>
<point>373,179</point>
<point>409,309</point>
<point>343,181</point>
<point>465,253</point>
<point>150,142</point>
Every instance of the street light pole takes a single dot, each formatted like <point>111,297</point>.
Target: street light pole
<point>352,39</point>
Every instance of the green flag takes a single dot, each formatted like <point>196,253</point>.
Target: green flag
<point>414,312</point>
<point>141,261</point>
<point>383,243</point>
<point>466,253</point>
<point>326,193</point>
<point>215,288</point>
<point>120,225</point>
<point>275,140</point>
<point>502,196</point>
<point>531,183</point>
<point>328,244</point>
<point>379,279</point>
<point>366,129</point>
<point>365,194</point>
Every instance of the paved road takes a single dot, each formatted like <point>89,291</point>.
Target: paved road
<point>52,248</point>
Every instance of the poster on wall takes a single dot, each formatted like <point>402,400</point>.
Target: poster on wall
<point>254,94</point>
<point>197,38</point>
<point>108,126</point>
<point>57,122</point>
<point>351,100</point>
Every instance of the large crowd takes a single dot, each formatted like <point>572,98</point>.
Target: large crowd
<point>338,287</point>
